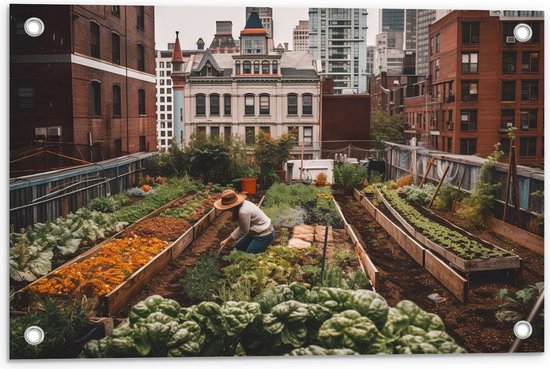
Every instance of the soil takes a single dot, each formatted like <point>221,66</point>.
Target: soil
<point>168,229</point>
<point>473,325</point>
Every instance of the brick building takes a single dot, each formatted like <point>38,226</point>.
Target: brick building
<point>388,91</point>
<point>481,82</point>
<point>87,83</point>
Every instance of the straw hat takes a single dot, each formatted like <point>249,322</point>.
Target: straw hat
<point>229,200</point>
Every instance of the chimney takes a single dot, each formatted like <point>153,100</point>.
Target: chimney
<point>286,46</point>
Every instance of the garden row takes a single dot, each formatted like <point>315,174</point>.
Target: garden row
<point>115,269</point>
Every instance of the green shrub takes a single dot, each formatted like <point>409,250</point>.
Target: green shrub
<point>201,281</point>
<point>108,204</point>
<point>445,197</point>
<point>349,176</point>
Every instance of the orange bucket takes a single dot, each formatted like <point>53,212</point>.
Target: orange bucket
<point>248,185</point>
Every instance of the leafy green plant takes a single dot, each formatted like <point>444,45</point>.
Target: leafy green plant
<point>343,258</point>
<point>349,176</point>
<point>108,204</point>
<point>517,306</point>
<point>63,325</point>
<point>419,195</point>
<point>202,280</point>
<point>385,127</point>
<point>272,153</point>
<point>481,201</point>
<point>463,246</point>
<point>445,197</point>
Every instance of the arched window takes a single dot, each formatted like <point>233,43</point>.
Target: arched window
<point>265,67</point>
<point>247,67</point>
<point>264,104</point>
<point>256,67</point>
<point>214,104</point>
<point>275,67</point>
<point>237,67</point>
<point>116,101</point>
<point>249,104</point>
<point>292,104</point>
<point>307,104</point>
<point>200,104</point>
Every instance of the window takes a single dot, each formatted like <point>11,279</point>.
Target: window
<point>265,67</point>
<point>168,90</point>
<point>275,68</point>
<point>142,143</point>
<point>437,43</point>
<point>468,146</point>
<point>116,101</point>
<point>141,58</point>
<point>115,9</point>
<point>141,101</point>
<point>294,132</point>
<point>227,134</point>
<point>470,33</point>
<point>509,62</point>
<point>247,67</point>
<point>249,104</point>
<point>530,61</point>
<point>94,40</point>
<point>469,90</point>
<point>215,132</point>
<point>527,146</point>
<point>96,98</point>
<point>250,136</point>
<point>507,118</point>
<point>214,104</point>
<point>307,104</point>
<point>292,104</point>
<point>117,147</point>
<point>264,104</point>
<point>529,119</point>
<point>529,90</point>
<point>449,144</point>
<point>468,120</point>
<point>201,131</point>
<point>200,104</point>
<point>237,67</point>
<point>227,104</point>
<point>161,90</point>
<point>469,62</point>
<point>26,95</point>
<point>141,17</point>
<point>308,136</point>
<point>115,40</point>
<point>508,90</point>
<point>505,146</point>
<point>256,67</point>
<point>266,130</point>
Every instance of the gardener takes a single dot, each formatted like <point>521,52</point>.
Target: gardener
<point>255,231</point>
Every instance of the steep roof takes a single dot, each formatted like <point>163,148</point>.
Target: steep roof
<point>253,25</point>
<point>176,55</point>
<point>208,57</point>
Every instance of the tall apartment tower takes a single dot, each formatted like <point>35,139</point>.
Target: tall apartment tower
<point>87,82</point>
<point>410,30</point>
<point>178,78</point>
<point>165,129</point>
<point>425,17</point>
<point>371,52</point>
<point>300,36</point>
<point>389,52</point>
<point>392,20</point>
<point>337,37</point>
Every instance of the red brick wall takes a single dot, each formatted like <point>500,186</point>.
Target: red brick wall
<point>489,77</point>
<point>345,118</point>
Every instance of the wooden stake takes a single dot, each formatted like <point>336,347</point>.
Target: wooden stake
<point>515,190</point>
<point>439,186</point>
<point>430,163</point>
<point>508,177</point>
<point>458,190</point>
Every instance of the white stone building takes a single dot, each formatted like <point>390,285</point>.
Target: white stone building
<point>255,90</point>
<point>163,71</point>
<point>300,36</point>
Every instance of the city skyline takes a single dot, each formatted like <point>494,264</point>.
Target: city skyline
<point>200,22</point>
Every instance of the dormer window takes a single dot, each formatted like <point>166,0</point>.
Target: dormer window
<point>254,44</point>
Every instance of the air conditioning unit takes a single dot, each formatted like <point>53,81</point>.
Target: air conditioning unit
<point>40,132</point>
<point>473,92</point>
<point>54,131</point>
<point>510,40</point>
<point>509,124</point>
<point>525,126</point>
<point>495,13</point>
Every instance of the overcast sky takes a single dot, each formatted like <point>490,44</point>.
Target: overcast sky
<point>195,22</point>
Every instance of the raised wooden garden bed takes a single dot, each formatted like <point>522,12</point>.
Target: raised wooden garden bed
<point>454,282</point>
<point>117,298</point>
<point>508,261</point>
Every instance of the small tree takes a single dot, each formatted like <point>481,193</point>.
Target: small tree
<point>271,153</point>
<point>387,128</point>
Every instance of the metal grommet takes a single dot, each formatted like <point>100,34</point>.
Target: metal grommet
<point>34,335</point>
<point>523,32</point>
<point>523,329</point>
<point>34,27</point>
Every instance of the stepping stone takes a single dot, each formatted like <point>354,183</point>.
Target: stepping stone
<point>320,234</point>
<point>304,236</point>
<point>303,228</point>
<point>297,243</point>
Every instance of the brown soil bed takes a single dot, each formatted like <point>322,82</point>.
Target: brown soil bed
<point>473,325</point>
<point>168,229</point>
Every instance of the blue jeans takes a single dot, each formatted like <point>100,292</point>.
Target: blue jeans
<point>255,245</point>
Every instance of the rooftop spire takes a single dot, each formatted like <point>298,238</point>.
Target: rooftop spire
<point>176,54</point>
